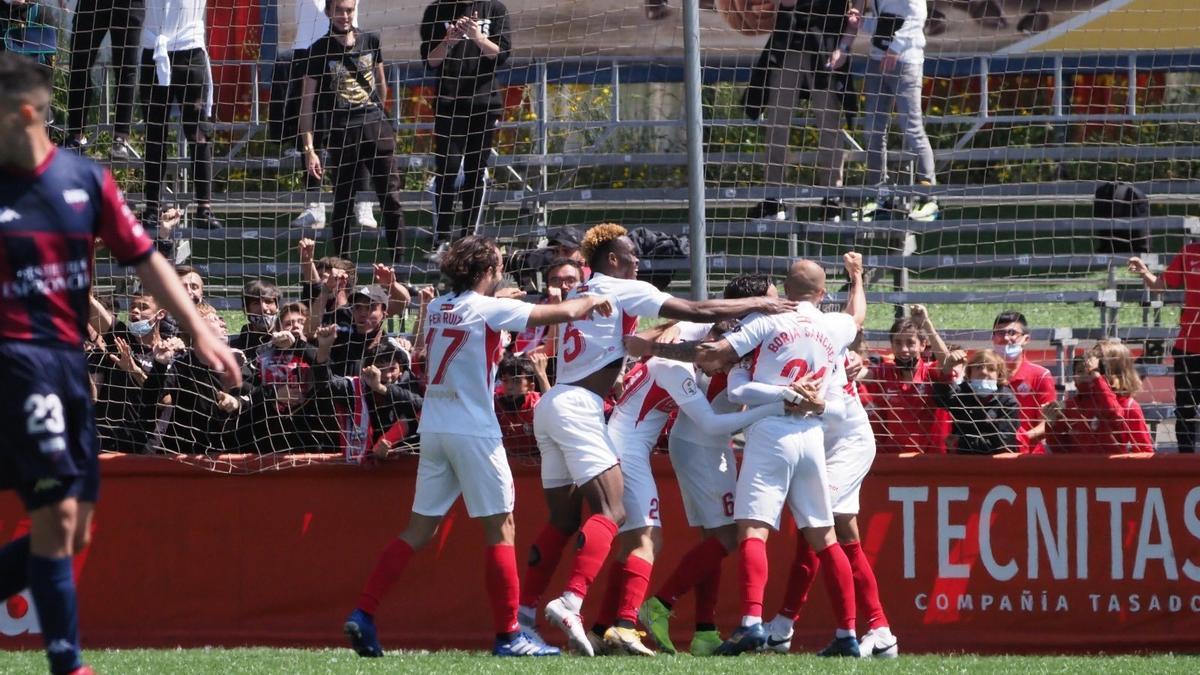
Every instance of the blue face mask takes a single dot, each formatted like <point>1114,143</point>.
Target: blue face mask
<point>1012,352</point>
<point>985,386</point>
<point>141,328</point>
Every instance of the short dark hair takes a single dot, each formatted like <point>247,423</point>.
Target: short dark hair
<point>21,76</point>
<point>383,355</point>
<point>747,286</point>
<point>260,289</point>
<point>1011,316</point>
<point>565,262</point>
<point>468,260</point>
<point>294,308</point>
<point>333,262</point>
<point>904,325</point>
<point>516,366</point>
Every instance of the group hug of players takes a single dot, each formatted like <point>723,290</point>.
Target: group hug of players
<point>777,367</point>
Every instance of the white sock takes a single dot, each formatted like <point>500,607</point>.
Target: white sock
<point>573,602</point>
<point>842,632</point>
<point>751,621</point>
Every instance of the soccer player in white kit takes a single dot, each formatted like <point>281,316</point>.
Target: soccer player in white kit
<point>653,390</point>
<point>568,422</point>
<point>461,448</point>
<point>784,460</point>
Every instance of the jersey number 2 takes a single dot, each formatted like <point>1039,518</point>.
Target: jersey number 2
<point>45,414</point>
<point>458,338</point>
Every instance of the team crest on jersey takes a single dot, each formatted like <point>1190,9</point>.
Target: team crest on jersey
<point>447,307</point>
<point>1023,387</point>
<point>76,198</point>
<point>689,387</point>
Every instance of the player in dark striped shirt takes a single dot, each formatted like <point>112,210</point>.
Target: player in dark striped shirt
<point>53,206</point>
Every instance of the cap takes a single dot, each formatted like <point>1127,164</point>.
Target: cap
<point>373,293</point>
<point>565,236</point>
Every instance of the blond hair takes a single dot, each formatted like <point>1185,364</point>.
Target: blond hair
<point>987,357</point>
<point>1117,364</point>
<point>597,236</point>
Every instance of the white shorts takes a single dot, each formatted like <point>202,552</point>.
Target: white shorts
<point>568,424</point>
<point>472,466</point>
<point>707,476</point>
<point>640,497</point>
<point>849,453</point>
<point>784,463</point>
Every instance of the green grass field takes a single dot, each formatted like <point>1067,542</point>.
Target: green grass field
<point>225,661</point>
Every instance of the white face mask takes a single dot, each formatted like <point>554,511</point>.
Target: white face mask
<point>1013,352</point>
<point>141,328</point>
<point>985,386</point>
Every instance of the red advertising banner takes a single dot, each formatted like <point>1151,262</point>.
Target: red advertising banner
<point>1021,554</point>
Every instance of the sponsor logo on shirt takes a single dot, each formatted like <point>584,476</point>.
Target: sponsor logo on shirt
<point>76,197</point>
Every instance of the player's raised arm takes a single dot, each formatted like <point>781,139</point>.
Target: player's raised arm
<point>856,302</point>
<point>160,279</point>
<point>574,309</point>
<point>711,311</point>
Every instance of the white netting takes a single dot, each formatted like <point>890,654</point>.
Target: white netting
<point>1028,108</point>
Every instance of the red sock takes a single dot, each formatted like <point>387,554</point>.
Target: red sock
<point>753,565</point>
<point>611,601</point>
<point>595,539</point>
<point>503,586</point>
<point>696,565</point>
<point>866,589</point>
<point>388,568</point>
<point>840,581</point>
<point>544,556</point>
<point>707,592</point>
<point>635,580</point>
<point>800,580</point>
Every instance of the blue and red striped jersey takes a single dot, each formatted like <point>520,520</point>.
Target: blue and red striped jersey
<point>49,220</point>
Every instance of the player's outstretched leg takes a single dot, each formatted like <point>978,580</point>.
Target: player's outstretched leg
<point>389,567</point>
<point>547,551</point>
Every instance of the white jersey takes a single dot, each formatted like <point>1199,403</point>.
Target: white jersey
<point>716,390</point>
<point>589,345</point>
<point>653,390</point>
<point>785,347</point>
<point>463,349</point>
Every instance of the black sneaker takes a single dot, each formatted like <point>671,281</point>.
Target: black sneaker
<point>206,219</point>
<point>769,209</point>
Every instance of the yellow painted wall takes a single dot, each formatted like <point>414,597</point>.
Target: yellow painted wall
<point>1142,24</point>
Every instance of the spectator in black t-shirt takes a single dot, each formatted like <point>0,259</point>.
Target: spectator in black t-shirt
<point>260,302</point>
<point>347,66</point>
<point>317,273</point>
<point>378,408</point>
<point>463,42</point>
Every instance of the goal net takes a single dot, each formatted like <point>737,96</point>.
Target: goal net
<point>965,167</point>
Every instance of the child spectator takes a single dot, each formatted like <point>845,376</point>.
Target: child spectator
<point>1181,273</point>
<point>260,302</point>
<point>1032,384</point>
<point>1101,417</point>
<point>524,381</point>
<point>985,412</point>
<point>376,409</point>
<point>901,406</point>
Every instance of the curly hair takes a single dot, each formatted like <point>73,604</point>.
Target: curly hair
<point>597,240</point>
<point>988,357</point>
<point>468,260</point>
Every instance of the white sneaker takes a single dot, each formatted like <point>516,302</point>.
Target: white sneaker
<point>365,215</point>
<point>313,216</point>
<point>568,621</point>
<point>925,210</point>
<point>779,635</point>
<point>879,643</point>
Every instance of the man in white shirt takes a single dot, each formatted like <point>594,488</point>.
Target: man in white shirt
<point>176,71</point>
<point>461,449</point>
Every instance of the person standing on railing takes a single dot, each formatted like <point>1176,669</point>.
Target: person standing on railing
<point>347,66</point>
<point>1181,272</point>
<point>176,70</point>
<point>311,24</point>
<point>805,46</point>
<point>463,42</point>
<point>122,21</point>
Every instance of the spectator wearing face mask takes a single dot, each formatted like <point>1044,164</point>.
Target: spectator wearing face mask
<point>1032,384</point>
<point>125,408</point>
<point>903,415</point>
<point>260,302</point>
<point>986,414</point>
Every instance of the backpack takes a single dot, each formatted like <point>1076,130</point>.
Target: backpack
<point>653,245</point>
<point>1121,200</point>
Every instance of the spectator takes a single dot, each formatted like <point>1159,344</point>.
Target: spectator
<point>562,275</point>
<point>903,414</point>
<point>1032,384</point>
<point>895,75</point>
<point>315,273</point>
<point>347,66</point>
<point>359,328</point>
<point>30,28</point>
<point>260,302</point>
<point>125,409</point>
<point>986,414</point>
<point>176,70</point>
<point>121,21</point>
<point>311,24</point>
<point>1102,416</point>
<point>378,408</point>
<point>193,282</point>
<point>286,414</point>
<point>1181,273</point>
<point>524,381</point>
<point>463,42</point>
<point>807,46</point>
